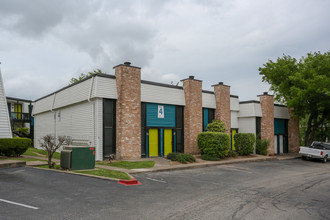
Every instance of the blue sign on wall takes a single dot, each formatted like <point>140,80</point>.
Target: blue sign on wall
<point>160,115</point>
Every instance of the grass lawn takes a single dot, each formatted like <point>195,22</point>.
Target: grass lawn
<point>106,173</point>
<point>31,152</point>
<point>130,165</point>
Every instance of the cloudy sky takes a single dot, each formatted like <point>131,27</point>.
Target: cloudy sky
<point>45,43</point>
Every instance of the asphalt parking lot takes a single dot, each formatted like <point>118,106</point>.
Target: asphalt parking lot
<point>289,189</point>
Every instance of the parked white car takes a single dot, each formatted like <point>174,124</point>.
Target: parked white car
<point>317,150</point>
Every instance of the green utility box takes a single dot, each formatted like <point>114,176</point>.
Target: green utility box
<point>78,158</point>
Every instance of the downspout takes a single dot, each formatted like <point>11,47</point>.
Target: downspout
<point>93,111</point>
<point>51,109</point>
<point>30,118</point>
<point>91,89</point>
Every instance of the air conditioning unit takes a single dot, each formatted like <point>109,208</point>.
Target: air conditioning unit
<point>66,159</point>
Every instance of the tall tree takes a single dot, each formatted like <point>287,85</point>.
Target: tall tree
<point>84,76</point>
<point>303,85</point>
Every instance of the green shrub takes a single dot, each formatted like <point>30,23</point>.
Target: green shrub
<point>216,126</point>
<point>172,156</point>
<point>7,146</point>
<point>215,144</point>
<point>188,157</point>
<point>232,153</point>
<point>23,130</point>
<point>14,146</point>
<point>210,157</point>
<point>244,143</point>
<point>262,146</point>
<point>180,157</point>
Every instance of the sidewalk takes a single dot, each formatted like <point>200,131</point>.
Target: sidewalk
<point>11,163</point>
<point>161,164</point>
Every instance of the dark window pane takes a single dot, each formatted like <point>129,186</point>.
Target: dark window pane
<point>143,129</point>
<point>211,115</point>
<point>179,116</point>
<point>109,131</point>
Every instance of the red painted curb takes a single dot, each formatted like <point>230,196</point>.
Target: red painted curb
<point>131,182</point>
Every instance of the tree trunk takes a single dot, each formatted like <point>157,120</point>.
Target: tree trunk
<point>308,131</point>
<point>50,155</point>
<point>49,161</point>
<point>312,127</point>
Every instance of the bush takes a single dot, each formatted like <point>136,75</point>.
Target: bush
<point>232,153</point>
<point>172,156</point>
<point>210,157</point>
<point>7,146</point>
<point>23,130</point>
<point>187,157</point>
<point>216,126</point>
<point>244,143</point>
<point>215,144</point>
<point>262,146</point>
<point>180,157</point>
<point>14,146</point>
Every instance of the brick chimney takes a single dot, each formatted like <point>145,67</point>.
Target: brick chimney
<point>267,120</point>
<point>222,102</point>
<point>193,116</point>
<point>128,111</point>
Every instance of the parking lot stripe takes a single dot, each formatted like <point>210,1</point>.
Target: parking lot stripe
<point>161,181</point>
<point>19,204</point>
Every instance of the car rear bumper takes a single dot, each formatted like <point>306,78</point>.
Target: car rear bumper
<point>311,156</point>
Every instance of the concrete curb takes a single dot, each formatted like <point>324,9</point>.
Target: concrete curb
<point>11,164</point>
<point>82,174</point>
<point>288,158</point>
<point>41,158</point>
<point>204,165</point>
<point>218,163</point>
<point>35,163</point>
<point>178,167</point>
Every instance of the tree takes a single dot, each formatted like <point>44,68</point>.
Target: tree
<point>216,126</point>
<point>84,76</point>
<point>50,144</point>
<point>302,85</point>
<point>321,134</point>
<point>22,132</point>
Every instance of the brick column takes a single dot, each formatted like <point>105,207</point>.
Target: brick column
<point>128,111</point>
<point>193,116</point>
<point>267,120</point>
<point>222,102</point>
<point>293,133</point>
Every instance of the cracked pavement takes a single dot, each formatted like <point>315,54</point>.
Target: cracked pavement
<point>288,189</point>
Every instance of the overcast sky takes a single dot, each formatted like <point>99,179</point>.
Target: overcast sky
<point>45,43</point>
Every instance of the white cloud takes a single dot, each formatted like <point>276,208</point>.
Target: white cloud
<point>44,43</point>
